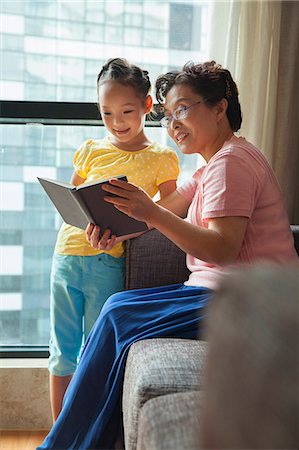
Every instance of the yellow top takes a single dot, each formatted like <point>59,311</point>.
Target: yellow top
<point>99,159</point>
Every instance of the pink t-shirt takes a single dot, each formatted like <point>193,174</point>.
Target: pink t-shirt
<point>238,181</point>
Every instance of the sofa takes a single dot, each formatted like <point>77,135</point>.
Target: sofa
<point>164,378</point>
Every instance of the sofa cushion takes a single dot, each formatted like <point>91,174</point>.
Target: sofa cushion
<point>170,422</point>
<point>295,231</point>
<point>153,260</point>
<point>251,398</point>
<point>158,367</point>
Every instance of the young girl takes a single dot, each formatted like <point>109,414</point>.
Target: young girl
<point>83,277</point>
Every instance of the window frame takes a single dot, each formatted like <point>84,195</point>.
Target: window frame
<point>60,113</point>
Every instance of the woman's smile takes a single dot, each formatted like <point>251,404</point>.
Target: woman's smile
<point>180,137</point>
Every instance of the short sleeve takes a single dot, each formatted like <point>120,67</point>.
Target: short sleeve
<point>82,159</point>
<point>168,168</point>
<point>228,188</point>
<point>189,187</point>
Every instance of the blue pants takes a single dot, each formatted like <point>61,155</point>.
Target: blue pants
<point>91,413</point>
<point>80,285</point>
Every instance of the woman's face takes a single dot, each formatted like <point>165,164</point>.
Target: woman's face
<point>196,132</point>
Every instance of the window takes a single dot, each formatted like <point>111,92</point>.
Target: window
<point>52,52</point>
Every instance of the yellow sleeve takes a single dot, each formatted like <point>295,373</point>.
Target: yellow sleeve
<point>169,167</point>
<point>82,159</point>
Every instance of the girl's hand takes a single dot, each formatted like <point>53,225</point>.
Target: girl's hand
<point>130,199</point>
<point>98,241</point>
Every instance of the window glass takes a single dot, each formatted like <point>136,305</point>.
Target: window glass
<point>114,12</point>
<point>156,17</point>
<point>12,65</point>
<point>133,20</point>
<point>71,11</point>
<point>11,42</point>
<point>50,36</point>
<point>94,13</point>
<point>40,69</point>
<point>45,27</point>
<point>39,9</point>
<point>16,7</point>
<point>113,35</point>
<point>181,19</point>
<point>155,38</point>
<point>133,36</point>
<point>70,30</point>
<point>53,51</point>
<point>94,33</point>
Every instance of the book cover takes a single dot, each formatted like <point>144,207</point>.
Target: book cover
<point>79,205</point>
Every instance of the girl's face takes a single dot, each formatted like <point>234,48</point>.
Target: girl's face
<point>123,113</point>
<point>197,132</point>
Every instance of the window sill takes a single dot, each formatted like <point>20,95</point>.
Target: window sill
<point>22,363</point>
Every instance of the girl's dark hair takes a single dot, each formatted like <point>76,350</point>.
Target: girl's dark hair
<point>120,70</point>
<point>209,80</point>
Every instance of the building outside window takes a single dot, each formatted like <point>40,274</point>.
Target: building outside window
<point>52,51</point>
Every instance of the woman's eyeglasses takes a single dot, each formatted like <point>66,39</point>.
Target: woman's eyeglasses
<point>180,113</point>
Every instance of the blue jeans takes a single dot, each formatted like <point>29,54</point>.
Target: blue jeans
<point>80,285</point>
<point>91,412</point>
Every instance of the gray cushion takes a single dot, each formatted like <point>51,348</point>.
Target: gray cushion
<point>251,398</point>
<point>170,422</point>
<point>158,367</point>
<point>153,260</point>
<point>295,230</point>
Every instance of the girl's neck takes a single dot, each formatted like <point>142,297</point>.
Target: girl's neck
<point>140,142</point>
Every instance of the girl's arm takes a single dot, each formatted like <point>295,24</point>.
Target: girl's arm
<point>171,199</point>
<point>220,243</point>
<point>167,188</point>
<point>76,179</point>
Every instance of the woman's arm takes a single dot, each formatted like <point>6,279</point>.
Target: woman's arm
<point>174,201</point>
<point>220,243</point>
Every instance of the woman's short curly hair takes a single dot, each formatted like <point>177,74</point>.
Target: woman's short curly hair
<point>208,79</point>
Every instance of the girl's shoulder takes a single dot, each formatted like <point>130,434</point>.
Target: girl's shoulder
<point>94,145</point>
<point>160,149</point>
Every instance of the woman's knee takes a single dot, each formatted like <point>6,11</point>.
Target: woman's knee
<point>114,302</point>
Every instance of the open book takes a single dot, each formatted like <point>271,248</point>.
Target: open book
<point>79,205</point>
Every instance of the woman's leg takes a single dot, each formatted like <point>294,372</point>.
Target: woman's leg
<point>91,413</point>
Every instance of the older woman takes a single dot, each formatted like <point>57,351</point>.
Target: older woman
<point>229,213</point>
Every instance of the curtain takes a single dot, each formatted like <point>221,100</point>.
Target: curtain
<point>285,155</point>
<point>258,42</point>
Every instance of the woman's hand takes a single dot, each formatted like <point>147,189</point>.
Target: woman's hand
<point>130,199</point>
<point>98,241</point>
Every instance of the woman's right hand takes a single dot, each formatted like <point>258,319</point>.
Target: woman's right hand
<point>97,240</point>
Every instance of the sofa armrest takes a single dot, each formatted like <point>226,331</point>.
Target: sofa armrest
<point>295,231</point>
<point>153,260</point>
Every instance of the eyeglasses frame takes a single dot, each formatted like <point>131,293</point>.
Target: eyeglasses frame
<point>181,112</point>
